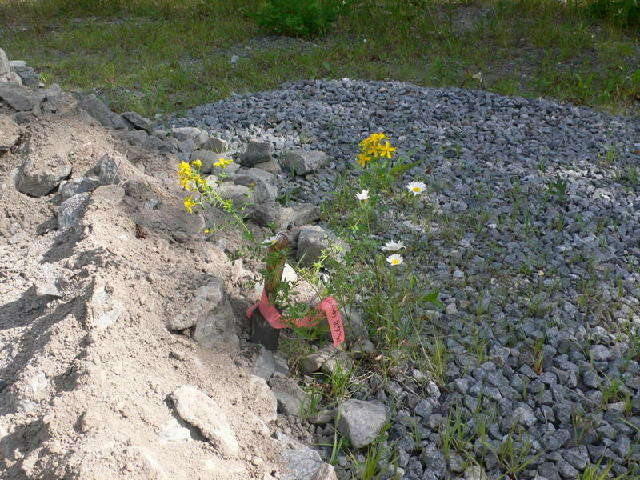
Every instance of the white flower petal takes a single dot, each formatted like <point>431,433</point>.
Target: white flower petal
<point>395,259</point>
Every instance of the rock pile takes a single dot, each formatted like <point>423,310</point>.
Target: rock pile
<point>98,269</point>
<point>530,222</point>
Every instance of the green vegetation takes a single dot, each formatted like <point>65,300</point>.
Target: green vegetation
<point>165,56</point>
<point>302,18</point>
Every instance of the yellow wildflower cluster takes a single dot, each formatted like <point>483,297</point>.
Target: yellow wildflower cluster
<point>189,175</point>
<point>191,180</point>
<point>376,145</point>
<point>189,203</point>
<point>223,162</point>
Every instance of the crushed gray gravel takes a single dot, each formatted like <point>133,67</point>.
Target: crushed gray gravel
<point>530,230</point>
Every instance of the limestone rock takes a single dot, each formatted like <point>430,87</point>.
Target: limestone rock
<point>301,162</point>
<point>98,110</point>
<point>240,195</point>
<point>191,134</point>
<point>256,152</point>
<point>263,184</point>
<point>216,145</point>
<point>313,240</point>
<point>4,63</point>
<point>107,171</point>
<point>107,195</point>
<point>28,76</point>
<point>11,77</point>
<point>475,473</point>
<point>258,389</point>
<point>329,360</point>
<point>18,97</point>
<point>137,121</point>
<point>268,364</point>
<point>300,462</point>
<point>75,186</point>
<point>204,301</point>
<point>40,176</point>
<point>313,362</point>
<point>291,398</point>
<point>71,210</point>
<point>337,360</point>
<point>272,213</point>
<point>218,329</point>
<point>201,411</point>
<point>325,472</point>
<point>361,421</point>
<point>271,166</point>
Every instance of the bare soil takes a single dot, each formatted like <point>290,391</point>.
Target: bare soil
<point>87,365</point>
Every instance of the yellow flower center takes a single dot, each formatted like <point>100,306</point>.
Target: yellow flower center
<point>416,189</point>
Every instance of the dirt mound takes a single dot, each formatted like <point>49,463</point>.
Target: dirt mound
<point>89,275</point>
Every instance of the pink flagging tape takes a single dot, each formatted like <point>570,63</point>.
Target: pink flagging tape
<point>326,308</point>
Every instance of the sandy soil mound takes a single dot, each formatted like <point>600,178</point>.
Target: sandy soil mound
<point>90,377</point>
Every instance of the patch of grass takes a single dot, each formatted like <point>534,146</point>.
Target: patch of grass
<point>163,56</point>
<point>435,357</point>
<point>455,435</point>
<point>514,454</point>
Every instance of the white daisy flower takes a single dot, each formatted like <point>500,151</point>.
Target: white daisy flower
<point>270,241</point>
<point>363,195</point>
<point>395,259</point>
<point>392,246</point>
<point>416,187</point>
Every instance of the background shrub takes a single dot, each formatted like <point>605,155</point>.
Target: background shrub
<point>298,18</point>
<point>621,12</point>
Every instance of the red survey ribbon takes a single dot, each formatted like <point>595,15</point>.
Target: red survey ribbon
<point>326,308</point>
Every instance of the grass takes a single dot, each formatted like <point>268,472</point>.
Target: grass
<point>163,56</point>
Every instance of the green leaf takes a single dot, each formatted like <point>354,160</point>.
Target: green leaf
<point>402,168</point>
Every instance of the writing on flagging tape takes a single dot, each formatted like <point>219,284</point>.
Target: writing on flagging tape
<point>327,308</point>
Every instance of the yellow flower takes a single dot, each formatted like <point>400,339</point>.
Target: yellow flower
<point>199,180</point>
<point>197,164</point>
<point>186,184</point>
<point>189,203</point>
<point>386,150</point>
<point>207,231</point>
<point>363,159</point>
<point>372,150</point>
<point>184,169</point>
<point>374,147</point>
<point>223,162</point>
<point>373,139</point>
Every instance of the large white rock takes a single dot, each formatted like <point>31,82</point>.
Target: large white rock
<point>301,162</point>
<point>4,63</point>
<point>361,421</point>
<point>40,176</point>
<point>205,300</point>
<point>198,409</point>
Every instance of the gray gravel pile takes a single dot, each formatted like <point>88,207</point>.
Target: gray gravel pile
<point>530,230</point>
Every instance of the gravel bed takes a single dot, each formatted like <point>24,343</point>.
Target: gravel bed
<point>531,233</point>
